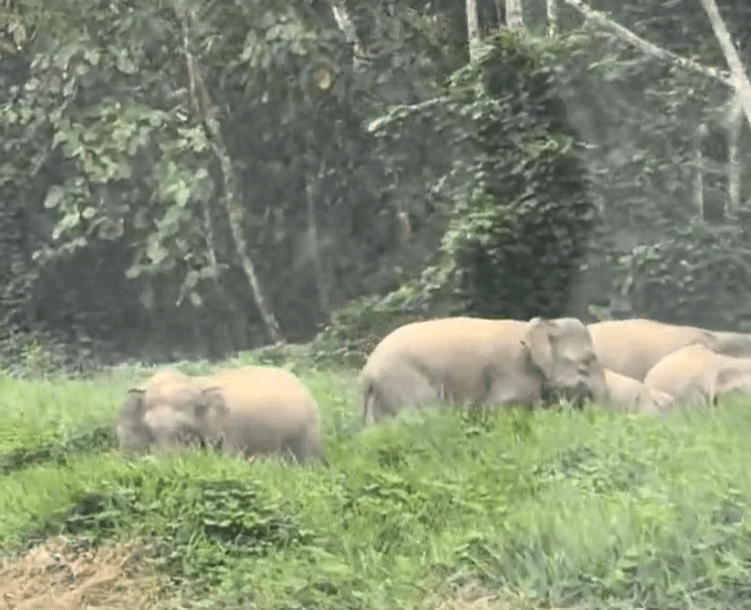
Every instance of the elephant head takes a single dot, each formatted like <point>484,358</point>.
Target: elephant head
<point>173,413</point>
<point>562,351</point>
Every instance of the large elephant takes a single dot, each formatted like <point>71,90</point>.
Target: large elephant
<point>254,410</point>
<point>633,396</point>
<point>632,347</point>
<point>161,412</point>
<point>258,410</point>
<point>481,362</point>
<point>697,373</point>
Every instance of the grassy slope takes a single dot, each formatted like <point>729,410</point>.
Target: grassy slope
<point>580,509</point>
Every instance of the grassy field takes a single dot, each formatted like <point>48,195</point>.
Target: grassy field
<point>554,508</point>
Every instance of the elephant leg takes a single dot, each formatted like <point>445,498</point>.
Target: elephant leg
<point>504,391</point>
<point>402,388</point>
<point>302,447</point>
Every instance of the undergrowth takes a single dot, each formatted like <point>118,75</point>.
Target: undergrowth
<point>573,509</point>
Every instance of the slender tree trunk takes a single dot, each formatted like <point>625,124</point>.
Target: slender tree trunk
<point>234,215</point>
<point>514,14</point>
<point>203,107</point>
<point>347,26</point>
<point>311,192</point>
<point>734,127</point>
<point>740,80</point>
<point>699,171</point>
<point>552,10</point>
<point>499,12</point>
<point>473,29</point>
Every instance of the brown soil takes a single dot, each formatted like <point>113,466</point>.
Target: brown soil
<point>58,576</point>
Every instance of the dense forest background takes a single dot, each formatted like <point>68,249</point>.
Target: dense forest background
<point>192,178</point>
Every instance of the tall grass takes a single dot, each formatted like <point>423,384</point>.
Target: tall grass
<point>584,509</point>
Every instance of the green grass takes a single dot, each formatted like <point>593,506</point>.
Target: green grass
<point>573,509</point>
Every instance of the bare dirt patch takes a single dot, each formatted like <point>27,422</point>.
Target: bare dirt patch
<point>61,576</point>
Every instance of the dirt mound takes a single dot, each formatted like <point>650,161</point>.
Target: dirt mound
<point>59,576</point>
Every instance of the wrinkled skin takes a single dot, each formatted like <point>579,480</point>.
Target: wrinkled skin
<point>481,362</point>
<point>632,396</point>
<point>260,410</point>
<point>696,374</point>
<point>161,413</point>
<point>632,347</point>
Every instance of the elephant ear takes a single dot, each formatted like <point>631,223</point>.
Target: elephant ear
<point>132,432</point>
<point>132,409</point>
<point>211,402</point>
<point>539,343</point>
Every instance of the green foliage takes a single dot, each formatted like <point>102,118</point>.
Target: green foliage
<point>60,451</point>
<point>695,275</point>
<point>110,177</point>
<point>567,509</point>
<point>520,218</point>
<point>358,327</point>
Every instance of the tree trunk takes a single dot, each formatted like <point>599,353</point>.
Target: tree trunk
<point>514,14</point>
<point>311,192</point>
<point>552,10</point>
<point>699,171</point>
<point>499,10</point>
<point>203,107</point>
<point>740,80</point>
<point>473,29</point>
<point>734,126</point>
<point>234,216</point>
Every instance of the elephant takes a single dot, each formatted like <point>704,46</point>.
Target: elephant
<point>696,373</point>
<point>632,347</point>
<point>260,410</point>
<point>481,362</point>
<point>733,343</point>
<point>254,410</point>
<point>633,396</point>
<point>161,412</point>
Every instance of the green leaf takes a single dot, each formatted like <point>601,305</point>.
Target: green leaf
<point>55,195</point>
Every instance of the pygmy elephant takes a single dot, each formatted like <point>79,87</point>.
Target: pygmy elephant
<point>632,347</point>
<point>698,374</point>
<point>481,362</point>
<point>161,412</point>
<point>258,410</point>
<point>253,410</point>
<point>632,396</point>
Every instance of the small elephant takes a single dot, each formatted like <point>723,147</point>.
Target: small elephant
<point>481,362</point>
<point>633,396</point>
<point>252,410</point>
<point>632,347</point>
<point>698,374</point>
<point>258,410</point>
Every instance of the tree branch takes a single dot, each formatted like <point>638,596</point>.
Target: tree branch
<point>648,47</point>
<point>740,80</point>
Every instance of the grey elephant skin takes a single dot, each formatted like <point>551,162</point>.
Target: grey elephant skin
<point>251,410</point>
<point>481,362</point>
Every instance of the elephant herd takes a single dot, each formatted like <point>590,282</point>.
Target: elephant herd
<point>634,365</point>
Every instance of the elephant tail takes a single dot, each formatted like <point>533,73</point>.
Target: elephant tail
<point>368,404</point>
